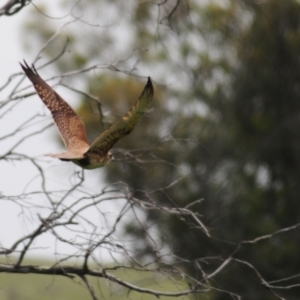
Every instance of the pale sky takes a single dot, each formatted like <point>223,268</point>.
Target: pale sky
<point>19,177</point>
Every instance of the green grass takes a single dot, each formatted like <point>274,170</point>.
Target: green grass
<point>46,287</point>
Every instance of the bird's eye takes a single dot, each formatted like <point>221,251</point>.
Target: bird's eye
<point>110,156</point>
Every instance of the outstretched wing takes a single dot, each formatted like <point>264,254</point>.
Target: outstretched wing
<point>70,126</point>
<point>109,137</point>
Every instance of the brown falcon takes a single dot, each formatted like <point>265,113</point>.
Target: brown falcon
<point>72,129</point>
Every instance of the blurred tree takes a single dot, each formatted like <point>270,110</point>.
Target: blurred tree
<point>226,124</point>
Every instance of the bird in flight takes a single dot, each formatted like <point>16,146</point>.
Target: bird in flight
<point>72,130</point>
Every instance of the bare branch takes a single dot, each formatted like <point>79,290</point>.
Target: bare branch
<point>13,6</point>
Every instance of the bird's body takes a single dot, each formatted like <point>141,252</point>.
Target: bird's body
<point>92,160</point>
<point>72,129</point>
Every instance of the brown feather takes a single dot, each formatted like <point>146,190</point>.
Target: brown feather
<point>109,137</point>
<point>70,126</point>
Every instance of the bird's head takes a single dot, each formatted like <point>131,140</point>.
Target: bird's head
<point>110,156</point>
